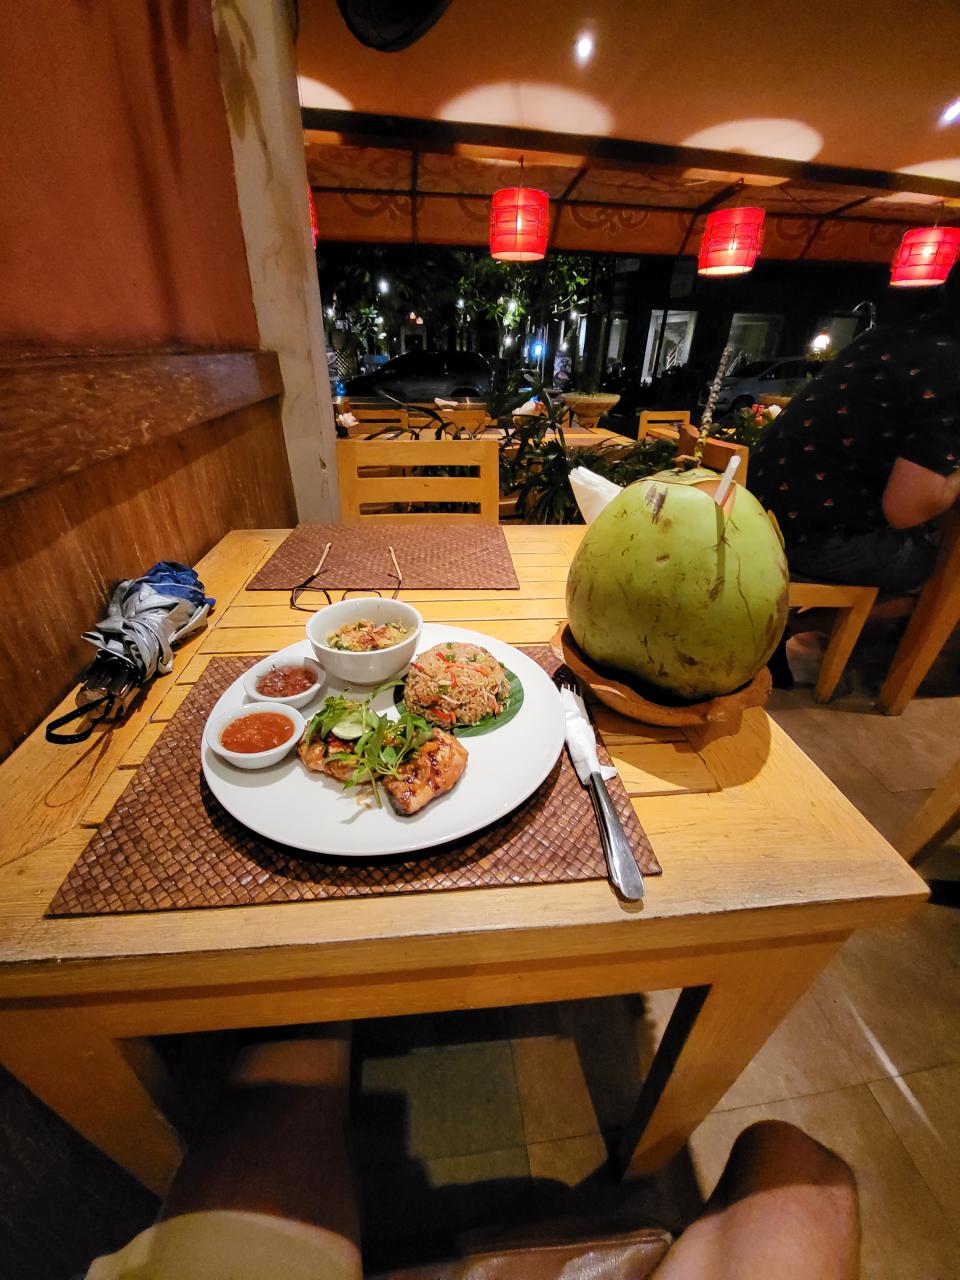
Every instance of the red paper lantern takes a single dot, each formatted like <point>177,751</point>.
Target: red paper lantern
<point>518,224</point>
<point>925,257</point>
<point>314,225</point>
<point>732,240</point>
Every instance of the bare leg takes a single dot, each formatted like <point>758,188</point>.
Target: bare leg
<point>784,1206</point>
<point>277,1142</point>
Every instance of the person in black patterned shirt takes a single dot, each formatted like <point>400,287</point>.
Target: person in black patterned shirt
<point>865,457</point>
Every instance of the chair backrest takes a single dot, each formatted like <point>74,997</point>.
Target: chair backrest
<point>396,482</point>
<point>375,415</point>
<point>662,424</point>
<point>716,453</point>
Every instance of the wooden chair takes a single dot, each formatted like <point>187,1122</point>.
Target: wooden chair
<point>936,615</point>
<point>373,416</point>
<point>394,460</point>
<point>662,424</point>
<point>936,820</point>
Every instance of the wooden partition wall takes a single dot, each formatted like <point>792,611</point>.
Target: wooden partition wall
<point>110,464</point>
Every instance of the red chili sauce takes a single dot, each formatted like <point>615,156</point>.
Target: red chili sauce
<point>257,732</point>
<point>285,682</point>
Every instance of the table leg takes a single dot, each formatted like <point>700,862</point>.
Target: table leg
<point>99,1086</point>
<point>934,619</point>
<point>714,1032</point>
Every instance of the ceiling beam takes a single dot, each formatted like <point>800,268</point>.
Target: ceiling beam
<point>802,215</point>
<point>358,128</point>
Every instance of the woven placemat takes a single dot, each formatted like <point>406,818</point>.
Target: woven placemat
<point>167,844</point>
<point>449,556</point>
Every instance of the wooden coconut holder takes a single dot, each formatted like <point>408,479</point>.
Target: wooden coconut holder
<point>704,721</point>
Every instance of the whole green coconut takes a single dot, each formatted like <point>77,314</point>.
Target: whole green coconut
<point>669,587</point>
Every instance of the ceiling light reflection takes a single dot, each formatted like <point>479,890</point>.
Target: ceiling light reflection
<point>531,105</point>
<point>951,113</point>
<point>777,137</point>
<point>949,170</point>
<point>314,93</point>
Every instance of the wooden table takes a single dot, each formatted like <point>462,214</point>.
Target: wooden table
<point>767,870</point>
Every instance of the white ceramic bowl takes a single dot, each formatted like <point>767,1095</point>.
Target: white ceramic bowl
<point>374,666</point>
<point>278,660</point>
<point>254,759</point>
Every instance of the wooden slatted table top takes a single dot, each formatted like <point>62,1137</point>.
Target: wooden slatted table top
<point>755,842</point>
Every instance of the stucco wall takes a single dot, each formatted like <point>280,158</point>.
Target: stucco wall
<point>119,227</point>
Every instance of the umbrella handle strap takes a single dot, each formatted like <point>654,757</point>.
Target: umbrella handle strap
<point>52,734</point>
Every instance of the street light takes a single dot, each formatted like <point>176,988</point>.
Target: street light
<point>821,342</point>
<point>512,305</point>
<point>460,303</point>
<point>330,313</point>
<point>383,285</point>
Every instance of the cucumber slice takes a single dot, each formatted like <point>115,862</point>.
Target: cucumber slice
<point>352,726</point>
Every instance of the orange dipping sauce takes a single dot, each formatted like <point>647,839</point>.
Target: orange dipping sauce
<point>257,732</point>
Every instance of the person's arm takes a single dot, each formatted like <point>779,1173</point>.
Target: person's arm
<point>915,494</point>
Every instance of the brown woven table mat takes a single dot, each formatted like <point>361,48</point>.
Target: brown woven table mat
<point>450,556</point>
<point>167,844</point>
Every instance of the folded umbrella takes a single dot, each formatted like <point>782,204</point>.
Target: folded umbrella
<point>145,618</point>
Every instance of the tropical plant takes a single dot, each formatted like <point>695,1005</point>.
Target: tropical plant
<point>748,424</point>
<point>544,494</point>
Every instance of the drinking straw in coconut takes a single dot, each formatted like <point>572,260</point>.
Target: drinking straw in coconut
<point>726,480</point>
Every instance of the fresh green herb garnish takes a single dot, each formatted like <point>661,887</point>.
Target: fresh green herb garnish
<point>382,746</point>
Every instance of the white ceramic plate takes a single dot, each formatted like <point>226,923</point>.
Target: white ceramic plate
<point>308,811</point>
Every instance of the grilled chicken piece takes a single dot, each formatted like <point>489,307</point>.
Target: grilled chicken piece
<point>315,757</point>
<point>431,771</point>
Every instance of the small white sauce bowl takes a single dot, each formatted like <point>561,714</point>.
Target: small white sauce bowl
<point>373,666</point>
<point>279,660</point>
<point>254,759</point>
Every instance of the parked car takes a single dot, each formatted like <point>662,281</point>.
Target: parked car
<point>423,375</point>
<point>783,376</point>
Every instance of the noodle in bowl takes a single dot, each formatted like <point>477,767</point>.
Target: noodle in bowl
<point>456,684</point>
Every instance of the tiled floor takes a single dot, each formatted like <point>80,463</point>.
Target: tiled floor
<point>467,1120</point>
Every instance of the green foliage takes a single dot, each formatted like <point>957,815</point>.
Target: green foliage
<point>746,426</point>
<point>543,482</point>
<point>383,745</point>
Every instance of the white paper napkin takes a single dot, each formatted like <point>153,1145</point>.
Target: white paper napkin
<point>592,492</point>
<point>530,406</point>
<point>444,404</point>
<point>582,740</point>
